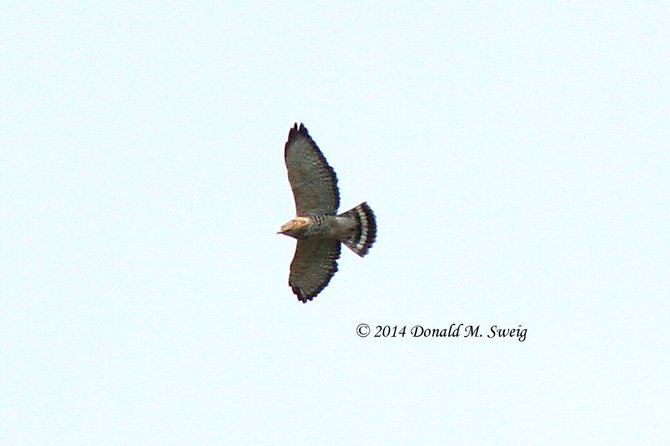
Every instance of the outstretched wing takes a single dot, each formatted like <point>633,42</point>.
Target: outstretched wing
<point>313,181</point>
<point>313,265</point>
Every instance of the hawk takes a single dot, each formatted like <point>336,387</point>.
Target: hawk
<point>317,227</point>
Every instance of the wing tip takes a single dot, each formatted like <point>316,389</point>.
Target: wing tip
<point>294,132</point>
<point>306,297</point>
<point>297,130</point>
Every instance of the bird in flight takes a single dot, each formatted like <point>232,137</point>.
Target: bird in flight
<point>317,227</point>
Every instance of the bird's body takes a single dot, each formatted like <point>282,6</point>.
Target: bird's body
<point>320,226</point>
<point>317,228</point>
<point>351,228</point>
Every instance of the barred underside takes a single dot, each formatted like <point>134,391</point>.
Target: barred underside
<point>365,233</point>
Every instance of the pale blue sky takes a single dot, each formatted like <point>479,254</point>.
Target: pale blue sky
<point>516,155</point>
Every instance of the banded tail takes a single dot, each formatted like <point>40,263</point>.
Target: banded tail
<point>366,229</point>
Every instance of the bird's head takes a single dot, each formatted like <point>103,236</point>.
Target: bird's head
<point>295,228</point>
